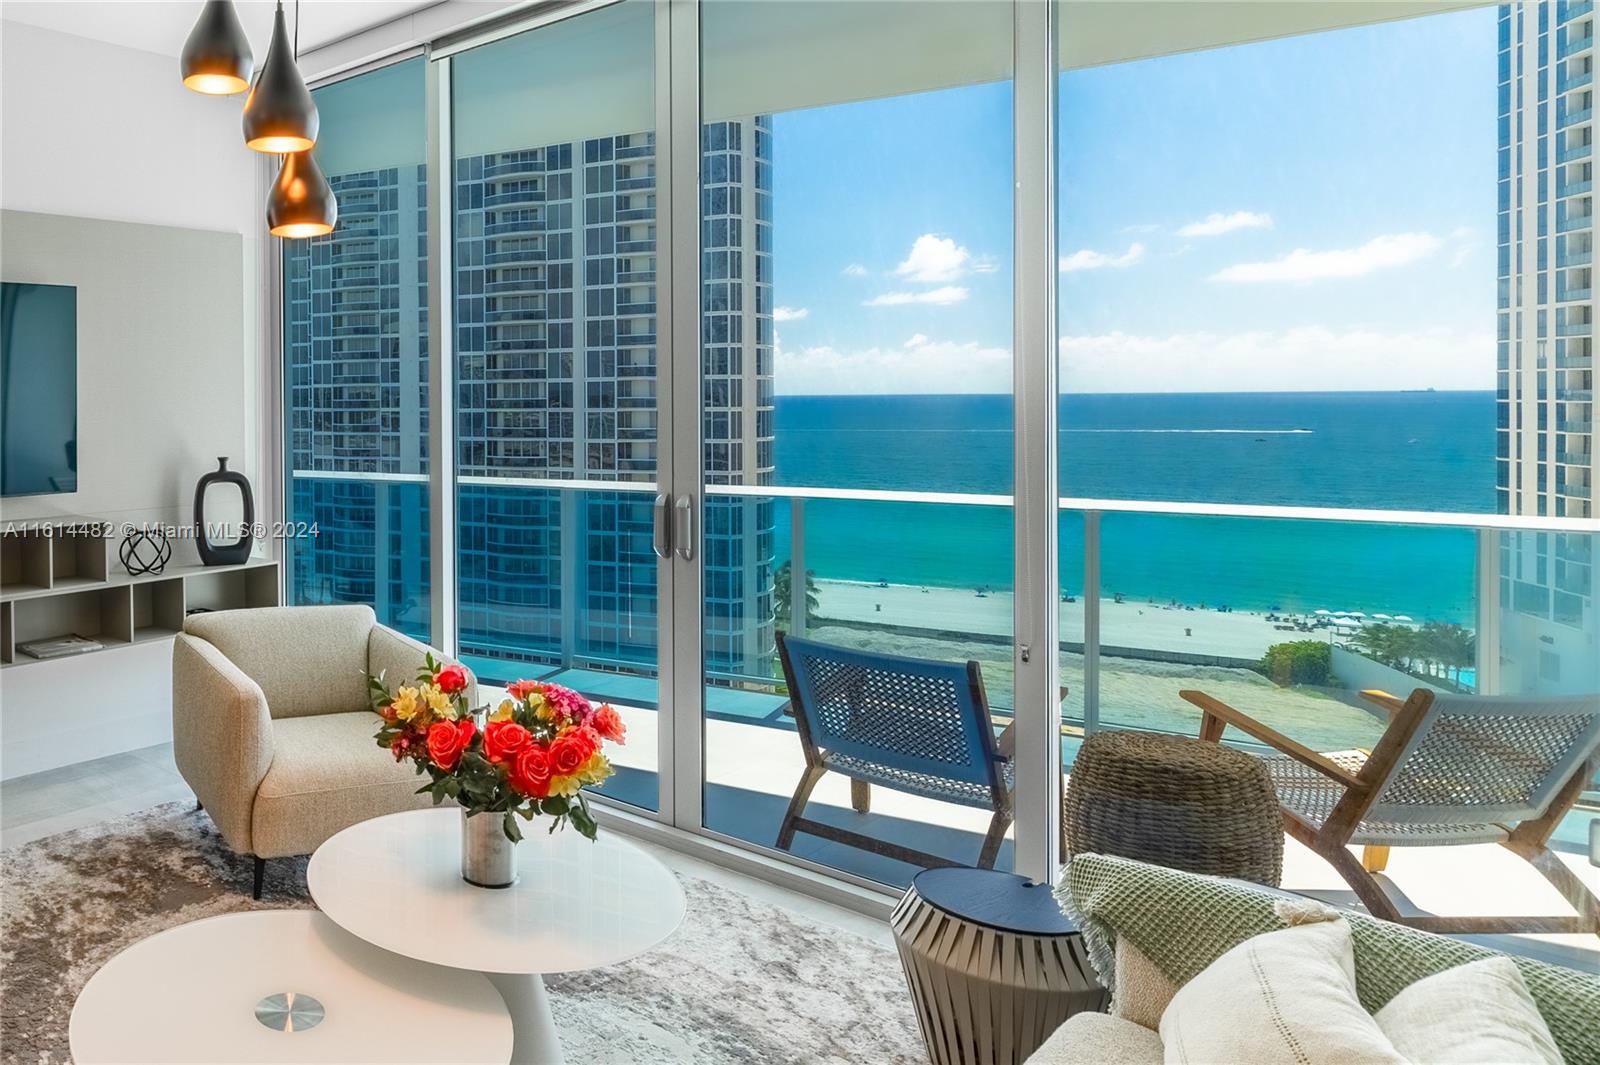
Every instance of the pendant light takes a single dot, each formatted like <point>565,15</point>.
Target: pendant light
<point>216,58</point>
<point>301,203</point>
<point>279,115</point>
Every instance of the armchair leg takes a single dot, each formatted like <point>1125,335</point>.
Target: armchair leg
<point>797,804</point>
<point>1554,870</point>
<point>1368,890</point>
<point>860,796</point>
<point>260,872</point>
<point>1374,857</point>
<point>1211,728</point>
<point>199,806</point>
<point>992,840</point>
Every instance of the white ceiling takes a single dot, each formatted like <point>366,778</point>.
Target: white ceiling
<point>161,26</point>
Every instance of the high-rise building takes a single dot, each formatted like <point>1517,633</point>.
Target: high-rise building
<point>1546,411</point>
<point>555,347</point>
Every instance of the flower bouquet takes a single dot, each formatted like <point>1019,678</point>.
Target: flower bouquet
<point>533,755</point>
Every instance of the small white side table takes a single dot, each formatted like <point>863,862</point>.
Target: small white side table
<point>576,905</point>
<point>281,986</point>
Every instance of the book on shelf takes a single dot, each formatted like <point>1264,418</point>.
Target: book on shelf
<point>60,646</point>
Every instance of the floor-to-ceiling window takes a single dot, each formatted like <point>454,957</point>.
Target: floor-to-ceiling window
<point>355,369</point>
<point>554,272</point>
<point>856,229</point>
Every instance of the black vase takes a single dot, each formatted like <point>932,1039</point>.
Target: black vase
<point>224,554</point>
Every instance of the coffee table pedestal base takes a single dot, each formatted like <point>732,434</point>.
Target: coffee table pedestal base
<point>531,1022</point>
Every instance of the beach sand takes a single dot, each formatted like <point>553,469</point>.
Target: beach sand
<point>1236,634</point>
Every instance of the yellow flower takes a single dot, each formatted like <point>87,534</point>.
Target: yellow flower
<point>438,701</point>
<point>405,704</point>
<point>565,786</point>
<point>541,708</point>
<point>503,712</point>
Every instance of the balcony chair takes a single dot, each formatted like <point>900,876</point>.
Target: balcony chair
<point>1448,770</point>
<point>914,725</point>
<point>272,726</point>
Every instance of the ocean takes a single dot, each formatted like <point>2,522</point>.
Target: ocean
<point>1366,450</point>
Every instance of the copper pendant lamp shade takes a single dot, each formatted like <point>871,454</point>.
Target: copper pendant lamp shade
<point>279,115</point>
<point>216,58</point>
<point>301,203</point>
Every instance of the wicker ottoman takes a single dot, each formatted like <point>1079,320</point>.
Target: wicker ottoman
<point>1174,801</point>
<point>993,965</point>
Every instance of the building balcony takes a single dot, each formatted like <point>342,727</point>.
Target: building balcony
<point>1572,223</point>
<point>1574,395</point>
<point>1574,458</point>
<point>1571,46</point>
<point>1574,118</point>
<point>1583,427</point>
<point>1574,258</point>
<point>1566,12</point>
<point>1573,188</point>
<point>1575,329</point>
<point>1573,491</point>
<point>1572,295</point>
<point>1574,152</point>
<point>1566,82</point>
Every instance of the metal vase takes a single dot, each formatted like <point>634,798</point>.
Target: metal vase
<point>488,858</point>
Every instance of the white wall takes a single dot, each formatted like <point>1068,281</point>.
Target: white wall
<point>171,368</point>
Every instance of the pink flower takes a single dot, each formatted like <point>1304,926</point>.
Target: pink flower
<point>567,704</point>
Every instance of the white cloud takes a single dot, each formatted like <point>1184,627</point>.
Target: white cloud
<point>1089,259</point>
<point>934,259</point>
<point>985,264</point>
<point>919,365</point>
<point>942,297</point>
<point>1379,253</point>
<point>1306,358</point>
<point>789,314</point>
<point>854,270</point>
<point>1216,223</point>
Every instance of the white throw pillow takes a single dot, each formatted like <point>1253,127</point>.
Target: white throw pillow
<point>1280,998</point>
<point>1473,1014</point>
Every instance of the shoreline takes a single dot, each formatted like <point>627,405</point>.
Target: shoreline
<point>1235,634</point>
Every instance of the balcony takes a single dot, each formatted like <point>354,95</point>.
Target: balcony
<point>1574,395</point>
<point>1566,83</point>
<point>1573,152</point>
<point>1574,458</point>
<point>1573,188</point>
<point>1574,329</point>
<point>1564,425</point>
<point>1574,295</point>
<point>1574,258</point>
<point>1571,46</point>
<point>1574,118</point>
<point>1572,222</point>
<point>1568,11</point>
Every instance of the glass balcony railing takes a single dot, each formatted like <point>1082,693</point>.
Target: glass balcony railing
<point>1572,222</point>
<point>1574,45</point>
<point>1575,118</point>
<point>1574,258</point>
<point>1570,11</point>
<point>1575,151</point>
<point>1575,329</point>
<point>1573,188</point>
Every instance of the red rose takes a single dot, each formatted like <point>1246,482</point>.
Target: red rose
<point>451,679</point>
<point>570,751</point>
<point>446,741</point>
<point>530,773</point>
<point>502,740</point>
<point>608,723</point>
<point>521,689</point>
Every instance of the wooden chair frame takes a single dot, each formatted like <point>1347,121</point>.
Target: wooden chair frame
<point>1330,840</point>
<point>861,792</point>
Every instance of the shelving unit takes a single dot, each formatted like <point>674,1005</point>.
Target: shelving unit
<point>56,583</point>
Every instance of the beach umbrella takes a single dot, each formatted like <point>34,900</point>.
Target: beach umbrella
<point>1357,614</point>
<point>1402,617</point>
<point>1321,613</point>
<point>1381,617</point>
<point>1341,613</point>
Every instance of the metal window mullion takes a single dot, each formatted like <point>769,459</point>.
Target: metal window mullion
<point>441,362</point>
<point>682,258</point>
<point>667,668</point>
<point>1036,649</point>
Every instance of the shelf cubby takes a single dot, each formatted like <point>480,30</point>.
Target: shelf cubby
<point>24,560</point>
<point>8,644</point>
<point>78,560</point>
<point>157,609</point>
<point>231,589</point>
<point>104,614</point>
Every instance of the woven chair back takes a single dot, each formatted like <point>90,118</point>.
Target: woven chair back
<point>908,715</point>
<point>1489,760</point>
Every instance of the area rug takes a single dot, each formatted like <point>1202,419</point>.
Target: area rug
<point>740,981</point>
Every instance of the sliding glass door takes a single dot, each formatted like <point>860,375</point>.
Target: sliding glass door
<point>855,229</point>
<point>556,430</point>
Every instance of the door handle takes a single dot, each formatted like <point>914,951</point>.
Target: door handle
<point>658,540</point>
<point>683,528</point>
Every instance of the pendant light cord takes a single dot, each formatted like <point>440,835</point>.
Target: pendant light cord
<point>297,31</point>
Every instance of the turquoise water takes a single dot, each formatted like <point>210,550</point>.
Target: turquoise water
<point>1413,451</point>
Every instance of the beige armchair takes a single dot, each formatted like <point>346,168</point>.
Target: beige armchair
<point>271,724</point>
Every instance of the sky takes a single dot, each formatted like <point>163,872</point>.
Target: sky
<point>1310,214</point>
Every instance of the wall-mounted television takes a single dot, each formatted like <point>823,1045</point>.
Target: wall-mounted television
<point>38,389</point>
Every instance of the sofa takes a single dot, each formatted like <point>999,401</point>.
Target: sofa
<point>1150,930</point>
<point>272,726</point>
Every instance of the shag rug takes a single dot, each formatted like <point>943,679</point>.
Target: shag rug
<point>740,981</point>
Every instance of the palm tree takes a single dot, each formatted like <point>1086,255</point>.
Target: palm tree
<point>782,595</point>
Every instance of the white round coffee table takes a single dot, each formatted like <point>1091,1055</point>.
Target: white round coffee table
<point>281,986</point>
<point>576,905</point>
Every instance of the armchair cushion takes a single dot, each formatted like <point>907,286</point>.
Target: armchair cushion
<point>1099,1039</point>
<point>307,659</point>
<point>328,775</point>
